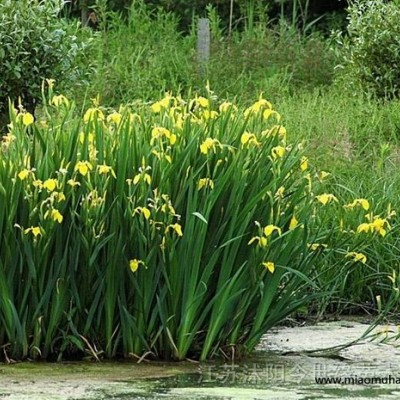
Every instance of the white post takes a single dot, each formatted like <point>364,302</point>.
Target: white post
<point>203,43</point>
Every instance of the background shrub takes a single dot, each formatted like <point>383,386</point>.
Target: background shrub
<point>372,54</point>
<point>34,44</point>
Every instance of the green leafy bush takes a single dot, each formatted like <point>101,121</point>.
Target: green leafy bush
<point>34,44</point>
<point>372,54</point>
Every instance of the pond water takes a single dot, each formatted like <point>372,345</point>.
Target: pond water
<point>283,367</point>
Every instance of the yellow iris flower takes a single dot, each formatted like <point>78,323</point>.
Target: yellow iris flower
<point>269,265</point>
<point>59,100</point>
<point>226,106</point>
<point>73,183</point>
<point>205,182</point>
<point>106,169</point>
<point>269,229</point>
<point>34,229</point>
<point>268,113</point>
<point>293,223</point>
<point>209,144</point>
<point>158,132</point>
<point>357,256</point>
<point>317,246</point>
<point>326,198</point>
<point>162,104</point>
<point>202,102</point>
<point>304,163</point>
<point>55,215</point>
<point>142,176</point>
<point>278,152</point>
<point>377,225</point>
<point>93,113</point>
<point>262,241</point>
<point>27,118</point>
<point>175,227</point>
<point>364,203</point>
<point>115,118</point>
<point>260,105</point>
<point>83,167</point>
<point>134,264</point>
<point>24,174</point>
<point>50,184</point>
<point>142,210</point>
<point>249,138</point>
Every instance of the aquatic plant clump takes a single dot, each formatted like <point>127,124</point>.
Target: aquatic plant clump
<point>180,229</point>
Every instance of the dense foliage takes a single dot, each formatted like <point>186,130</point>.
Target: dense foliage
<point>372,45</point>
<point>300,12</point>
<point>180,229</point>
<point>34,44</point>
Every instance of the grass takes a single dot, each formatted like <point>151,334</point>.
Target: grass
<point>128,61</point>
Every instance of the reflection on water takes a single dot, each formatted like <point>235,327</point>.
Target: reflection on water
<point>278,377</point>
<point>367,371</point>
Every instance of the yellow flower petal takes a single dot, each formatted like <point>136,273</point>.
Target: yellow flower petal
<point>178,229</point>
<point>278,152</point>
<point>83,167</point>
<point>146,212</point>
<point>364,203</point>
<point>280,192</point>
<point>317,246</point>
<point>134,264</point>
<point>73,183</point>
<point>27,119</point>
<point>269,229</point>
<point>209,144</point>
<point>172,138</point>
<point>147,178</point>
<point>249,138</point>
<point>303,163</point>
<point>268,113</point>
<point>115,118</point>
<point>136,179</point>
<point>269,265</point>
<point>226,106</point>
<point>58,100</point>
<point>204,182</point>
<point>24,174</point>
<point>263,241</point>
<point>50,184</point>
<point>56,216</point>
<point>156,107</point>
<point>326,198</point>
<point>93,113</point>
<point>202,102</point>
<point>37,183</point>
<point>364,227</point>
<point>34,229</point>
<point>357,256</point>
<point>293,223</point>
